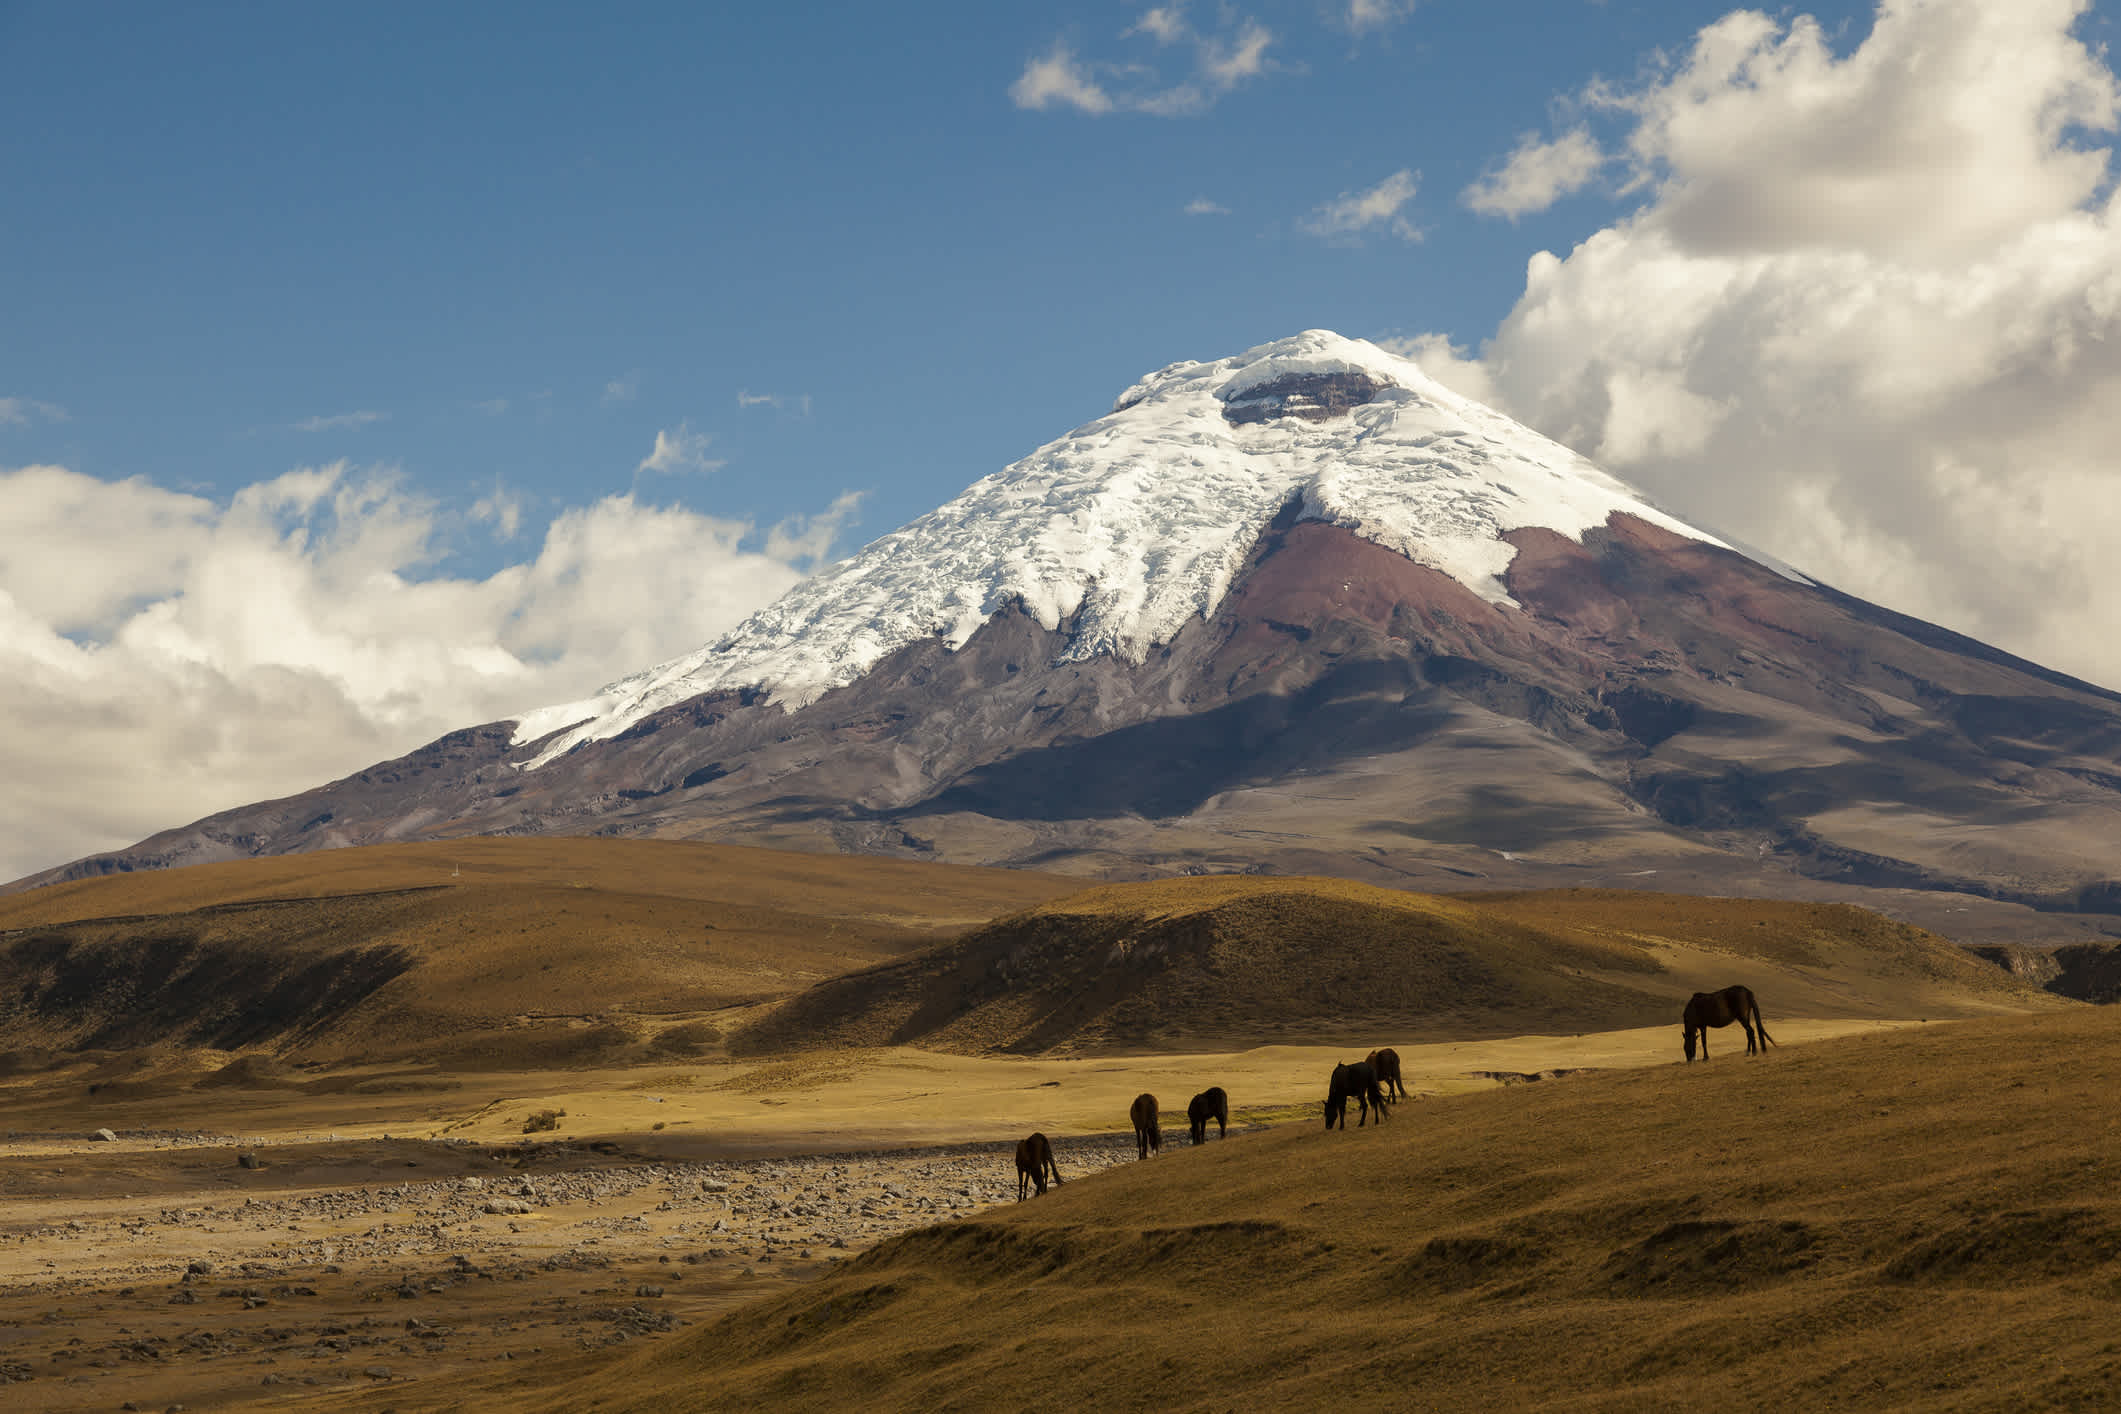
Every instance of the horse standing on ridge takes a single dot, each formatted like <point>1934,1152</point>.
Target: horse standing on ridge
<point>1148,1134</point>
<point>1034,1160</point>
<point>1707,1009</point>
<point>1210,1103</point>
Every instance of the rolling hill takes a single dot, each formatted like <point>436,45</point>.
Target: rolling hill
<point>1234,961</point>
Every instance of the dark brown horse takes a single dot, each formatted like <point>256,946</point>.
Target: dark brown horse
<point>1148,1135</point>
<point>1034,1160</point>
<point>1386,1064</point>
<point>1356,1082</point>
<point>1210,1103</point>
<point>1708,1009</point>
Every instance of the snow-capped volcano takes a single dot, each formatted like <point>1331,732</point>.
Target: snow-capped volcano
<point>1304,610</point>
<point>1130,526</point>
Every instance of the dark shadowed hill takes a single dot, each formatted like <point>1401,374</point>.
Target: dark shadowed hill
<point>1229,962</point>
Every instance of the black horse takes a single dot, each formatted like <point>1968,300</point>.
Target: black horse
<point>1359,1083</point>
<point>1034,1160</point>
<point>1708,1009</point>
<point>1148,1133</point>
<point>1210,1103</point>
<point>1386,1064</point>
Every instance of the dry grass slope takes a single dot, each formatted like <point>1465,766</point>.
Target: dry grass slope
<point>1233,961</point>
<point>1929,1219</point>
<point>484,952</point>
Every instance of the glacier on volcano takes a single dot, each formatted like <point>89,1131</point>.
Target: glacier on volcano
<point>1132,525</point>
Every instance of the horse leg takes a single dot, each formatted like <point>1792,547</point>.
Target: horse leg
<point>1752,1046</point>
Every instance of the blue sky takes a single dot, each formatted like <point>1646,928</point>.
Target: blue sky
<point>370,371</point>
<point>515,242</point>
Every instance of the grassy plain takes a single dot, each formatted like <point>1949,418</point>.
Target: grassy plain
<point>1903,1205</point>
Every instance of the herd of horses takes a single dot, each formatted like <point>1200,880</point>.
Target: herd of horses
<point>1370,1082</point>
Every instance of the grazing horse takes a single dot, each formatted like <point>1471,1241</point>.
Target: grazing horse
<point>1359,1083</point>
<point>1148,1135</point>
<point>1034,1160</point>
<point>1386,1064</point>
<point>1210,1103</point>
<point>1708,1009</point>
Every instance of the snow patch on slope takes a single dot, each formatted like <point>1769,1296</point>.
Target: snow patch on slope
<point>1134,524</point>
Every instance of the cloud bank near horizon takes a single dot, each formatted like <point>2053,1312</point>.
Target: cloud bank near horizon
<point>163,656</point>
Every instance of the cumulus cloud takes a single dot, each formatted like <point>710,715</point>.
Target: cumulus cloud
<point>203,654</point>
<point>683,450</point>
<point>1214,62</point>
<point>1866,314</point>
<point>1378,208</point>
<point>21,412</point>
<point>1537,174</point>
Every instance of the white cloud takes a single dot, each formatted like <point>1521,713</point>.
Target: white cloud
<point>201,656</point>
<point>678,452</point>
<point>1164,23</point>
<point>1537,174</point>
<point>1867,315</point>
<point>1353,213</point>
<point>501,508</point>
<point>492,407</point>
<point>797,403</point>
<point>340,422</point>
<point>1363,15</point>
<point>1201,206</point>
<point>20,412</point>
<point>1058,80</point>
<point>621,390</point>
<point>1219,61</point>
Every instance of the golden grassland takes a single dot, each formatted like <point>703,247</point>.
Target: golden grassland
<point>1904,1205</point>
<point>482,952</point>
<point>1922,1218</point>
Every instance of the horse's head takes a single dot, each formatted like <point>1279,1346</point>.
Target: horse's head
<point>1330,1108</point>
<point>1687,1040</point>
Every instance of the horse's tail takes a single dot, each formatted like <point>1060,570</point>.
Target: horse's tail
<point>1761,1026</point>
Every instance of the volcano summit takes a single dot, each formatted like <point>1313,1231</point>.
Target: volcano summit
<point>1304,609</point>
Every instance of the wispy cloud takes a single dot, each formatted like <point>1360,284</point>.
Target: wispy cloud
<point>340,421</point>
<point>1214,62</point>
<point>492,407</point>
<point>796,403</point>
<point>1537,174</point>
<point>621,390</point>
<point>1362,16</point>
<point>1354,213</point>
<point>1201,206</point>
<point>502,508</point>
<point>1058,80</point>
<point>678,452</point>
<point>20,412</point>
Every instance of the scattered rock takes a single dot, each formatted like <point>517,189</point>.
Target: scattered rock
<point>106,1136</point>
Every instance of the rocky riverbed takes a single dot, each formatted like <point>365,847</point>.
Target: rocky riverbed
<point>529,1253</point>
